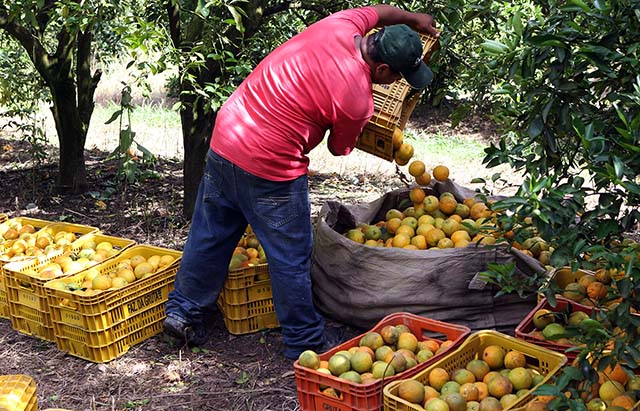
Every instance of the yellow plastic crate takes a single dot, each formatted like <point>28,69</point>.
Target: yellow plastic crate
<point>105,309</point>
<point>246,301</point>
<point>393,104</point>
<point>4,302</point>
<point>28,306</point>
<point>4,246</point>
<point>545,361</point>
<point>113,342</point>
<point>18,393</point>
<point>103,326</point>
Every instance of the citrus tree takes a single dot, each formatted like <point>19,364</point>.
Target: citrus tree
<point>562,81</point>
<point>58,39</point>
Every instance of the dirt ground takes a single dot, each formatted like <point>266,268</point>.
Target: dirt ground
<point>246,372</point>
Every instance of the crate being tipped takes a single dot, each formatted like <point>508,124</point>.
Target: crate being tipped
<point>393,105</point>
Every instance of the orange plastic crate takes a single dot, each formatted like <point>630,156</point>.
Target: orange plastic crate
<point>393,104</point>
<point>18,393</point>
<point>545,361</point>
<point>526,327</point>
<point>368,397</point>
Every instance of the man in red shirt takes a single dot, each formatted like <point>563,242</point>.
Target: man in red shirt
<point>256,172</point>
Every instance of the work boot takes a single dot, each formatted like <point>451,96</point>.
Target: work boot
<point>331,336</point>
<point>180,329</point>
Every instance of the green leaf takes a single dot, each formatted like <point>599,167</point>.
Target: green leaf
<point>114,117</point>
<point>516,21</point>
<point>579,3</point>
<point>494,47</point>
<point>618,166</point>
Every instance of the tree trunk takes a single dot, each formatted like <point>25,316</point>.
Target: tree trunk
<point>72,134</point>
<point>196,135</point>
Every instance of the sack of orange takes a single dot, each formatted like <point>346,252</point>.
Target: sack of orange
<point>431,222</point>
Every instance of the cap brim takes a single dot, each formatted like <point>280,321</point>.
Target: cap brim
<point>419,78</point>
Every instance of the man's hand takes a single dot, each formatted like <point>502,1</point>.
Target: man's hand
<point>420,22</point>
<point>426,24</point>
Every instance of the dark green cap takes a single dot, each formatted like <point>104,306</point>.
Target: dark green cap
<point>401,48</point>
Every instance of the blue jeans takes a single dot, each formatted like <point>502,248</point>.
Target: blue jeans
<point>279,213</point>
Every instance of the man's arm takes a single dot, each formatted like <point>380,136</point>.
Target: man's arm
<point>421,22</point>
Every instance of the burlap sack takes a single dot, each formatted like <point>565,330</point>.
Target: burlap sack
<point>359,285</point>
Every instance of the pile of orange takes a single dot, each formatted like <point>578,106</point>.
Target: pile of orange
<point>495,380</point>
<point>430,223</point>
<point>378,355</point>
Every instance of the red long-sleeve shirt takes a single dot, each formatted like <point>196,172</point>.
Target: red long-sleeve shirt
<point>315,81</point>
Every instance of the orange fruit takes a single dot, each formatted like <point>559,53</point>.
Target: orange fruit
<point>416,168</point>
<point>423,229</point>
<point>407,341</point>
<point>462,210</point>
<point>445,243</point>
<point>494,355</point>
<point>479,210</point>
<point>419,241</point>
<point>412,391</point>
<point>449,226</point>
<point>417,195</point>
<point>438,377</point>
<point>483,390</point>
<point>397,138</point>
<point>404,154</point>
<point>424,179</point>
<point>389,334</point>
<point>624,401</point>
<point>433,236</point>
<point>401,240</point>
<point>596,290</point>
<point>431,203</point>
<point>406,229</point>
<point>610,390</point>
<point>499,386</point>
<point>469,391</point>
<point>448,205</point>
<point>441,173</point>
<point>393,224</point>
<point>460,235</point>
<point>514,359</point>
<point>479,368</point>
<point>431,345</point>
<point>616,374</point>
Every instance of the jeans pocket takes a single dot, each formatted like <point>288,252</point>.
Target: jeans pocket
<point>212,179</point>
<point>277,211</point>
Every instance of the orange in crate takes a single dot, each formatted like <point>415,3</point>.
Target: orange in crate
<point>367,397</point>
<point>102,326</point>
<point>546,362</point>
<point>28,306</point>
